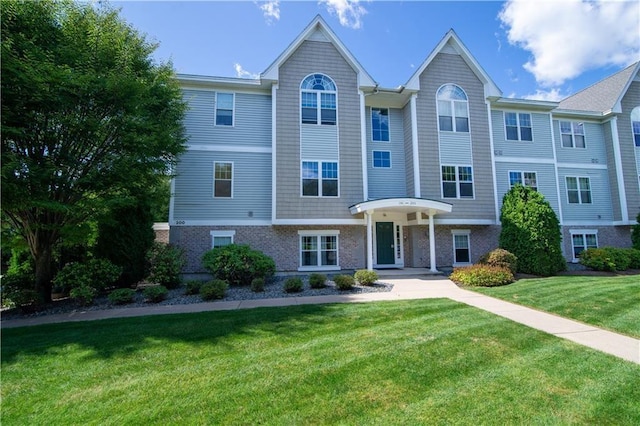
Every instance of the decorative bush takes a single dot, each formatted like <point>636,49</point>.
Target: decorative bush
<point>121,296</point>
<point>165,264</point>
<point>293,285</point>
<point>257,285</point>
<point>366,277</point>
<point>344,282</point>
<point>83,294</point>
<point>238,264</point>
<point>95,273</point>
<point>156,293</point>
<point>610,258</point>
<point>213,289</point>
<point>317,281</point>
<point>500,257</point>
<point>482,276</point>
<point>531,231</point>
<point>192,287</point>
<point>17,289</point>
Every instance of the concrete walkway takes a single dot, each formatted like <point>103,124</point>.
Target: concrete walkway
<point>404,287</point>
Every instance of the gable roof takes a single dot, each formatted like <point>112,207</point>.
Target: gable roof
<point>604,96</point>
<point>452,41</point>
<point>319,30</point>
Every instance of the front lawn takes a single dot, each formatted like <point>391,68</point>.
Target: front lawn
<point>611,302</point>
<point>405,362</point>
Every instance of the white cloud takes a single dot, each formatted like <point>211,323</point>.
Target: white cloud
<point>568,37</point>
<point>271,10</point>
<point>553,95</point>
<point>242,73</point>
<point>349,12</point>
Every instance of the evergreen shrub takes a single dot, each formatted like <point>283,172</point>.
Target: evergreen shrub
<point>238,264</point>
<point>480,275</point>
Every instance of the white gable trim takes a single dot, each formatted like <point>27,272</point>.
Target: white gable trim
<point>617,107</point>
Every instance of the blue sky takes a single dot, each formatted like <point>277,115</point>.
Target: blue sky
<point>532,49</point>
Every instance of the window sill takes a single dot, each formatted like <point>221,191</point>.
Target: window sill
<point>319,268</point>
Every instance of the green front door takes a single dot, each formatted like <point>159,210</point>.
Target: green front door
<point>384,243</point>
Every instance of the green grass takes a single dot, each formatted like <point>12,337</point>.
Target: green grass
<point>609,302</point>
<point>405,362</point>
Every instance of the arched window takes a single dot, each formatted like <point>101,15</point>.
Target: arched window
<point>318,100</point>
<point>635,125</point>
<point>453,111</point>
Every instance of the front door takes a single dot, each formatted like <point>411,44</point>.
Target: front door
<point>384,243</point>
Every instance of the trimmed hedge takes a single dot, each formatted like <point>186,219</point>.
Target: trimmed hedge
<point>155,294</point>
<point>502,258</point>
<point>366,277</point>
<point>293,285</point>
<point>479,275</point>
<point>257,285</point>
<point>317,281</point>
<point>121,296</point>
<point>344,282</point>
<point>238,264</point>
<point>213,289</point>
<point>610,259</point>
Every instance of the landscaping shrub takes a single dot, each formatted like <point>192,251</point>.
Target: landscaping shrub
<point>213,289</point>
<point>634,258</point>
<point>344,282</point>
<point>238,264</point>
<point>17,289</point>
<point>500,257</point>
<point>165,264</point>
<point>610,258</point>
<point>480,275</point>
<point>156,293</point>
<point>257,285</point>
<point>531,231</point>
<point>84,280</point>
<point>317,281</point>
<point>192,287</point>
<point>293,285</point>
<point>121,296</point>
<point>366,277</point>
<point>83,294</point>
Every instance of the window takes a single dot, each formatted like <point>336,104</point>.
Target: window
<point>318,249</point>
<point>581,240</point>
<point>578,190</point>
<point>453,112</point>
<point>635,125</point>
<point>380,124</point>
<point>572,134</point>
<point>523,178</point>
<point>318,90</point>
<point>224,109</point>
<point>222,180</point>
<point>457,182</point>
<point>518,126</point>
<point>461,251</point>
<point>316,184</point>
<point>382,159</point>
<point>221,238</point>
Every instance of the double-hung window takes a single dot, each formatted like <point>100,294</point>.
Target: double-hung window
<point>318,249</point>
<point>380,124</point>
<point>518,126</point>
<point>457,182</point>
<point>453,111</point>
<point>578,190</point>
<point>635,125</point>
<point>523,178</point>
<point>222,179</point>
<point>318,104</point>
<point>319,179</point>
<point>381,159</point>
<point>224,109</point>
<point>581,240</point>
<point>572,134</point>
<point>461,250</point>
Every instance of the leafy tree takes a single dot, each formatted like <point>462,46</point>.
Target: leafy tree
<point>88,117</point>
<point>635,234</point>
<point>531,231</point>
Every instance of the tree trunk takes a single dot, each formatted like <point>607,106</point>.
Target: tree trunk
<point>44,272</point>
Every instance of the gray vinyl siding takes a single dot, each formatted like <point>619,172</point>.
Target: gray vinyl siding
<point>455,148</point>
<point>594,151</point>
<point>319,142</point>
<point>545,175</point>
<point>193,199</point>
<point>251,120</point>
<point>386,183</point>
<point>408,150</point>
<point>630,162</point>
<point>540,147</point>
<point>600,208</point>
<point>317,57</point>
<point>613,177</point>
<point>448,68</point>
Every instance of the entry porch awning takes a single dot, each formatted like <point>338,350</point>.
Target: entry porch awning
<point>401,205</point>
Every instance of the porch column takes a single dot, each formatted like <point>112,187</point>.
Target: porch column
<point>368,214</point>
<point>432,242</point>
